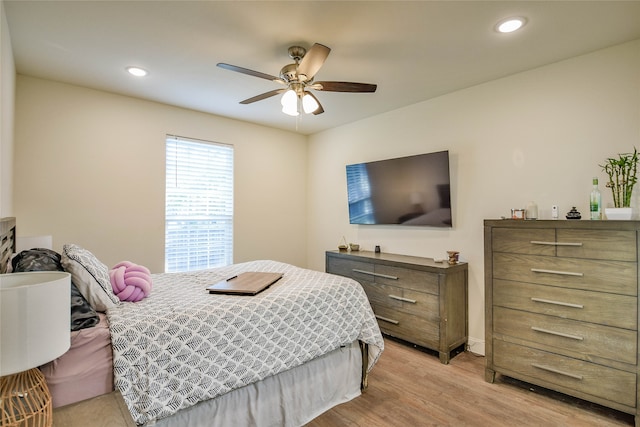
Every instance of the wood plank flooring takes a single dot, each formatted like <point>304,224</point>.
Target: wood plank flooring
<point>410,387</point>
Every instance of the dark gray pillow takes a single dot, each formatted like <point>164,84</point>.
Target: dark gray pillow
<point>40,259</point>
<point>37,259</point>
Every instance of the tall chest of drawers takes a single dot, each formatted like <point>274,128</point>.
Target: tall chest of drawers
<point>413,298</point>
<point>561,301</point>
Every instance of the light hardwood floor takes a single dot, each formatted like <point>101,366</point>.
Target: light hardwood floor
<point>410,387</point>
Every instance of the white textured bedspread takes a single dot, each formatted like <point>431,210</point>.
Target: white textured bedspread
<point>182,345</point>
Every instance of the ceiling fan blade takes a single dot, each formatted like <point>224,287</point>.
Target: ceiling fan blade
<point>312,61</point>
<point>263,96</point>
<point>249,72</point>
<point>318,110</point>
<point>346,87</point>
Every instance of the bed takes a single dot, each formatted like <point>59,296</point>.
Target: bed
<point>184,357</point>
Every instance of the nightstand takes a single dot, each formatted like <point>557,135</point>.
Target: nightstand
<point>108,410</point>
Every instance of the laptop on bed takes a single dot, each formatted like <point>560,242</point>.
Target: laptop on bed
<point>248,283</point>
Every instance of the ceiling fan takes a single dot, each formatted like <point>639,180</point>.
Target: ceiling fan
<point>297,79</point>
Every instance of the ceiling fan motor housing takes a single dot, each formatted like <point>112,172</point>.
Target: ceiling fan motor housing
<point>289,73</point>
<point>297,53</point>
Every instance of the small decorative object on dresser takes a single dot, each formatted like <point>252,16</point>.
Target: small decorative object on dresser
<point>453,257</point>
<point>561,301</point>
<point>342,246</point>
<point>413,298</point>
<point>518,213</point>
<point>573,214</point>
<point>532,211</point>
<point>623,175</point>
<point>618,213</point>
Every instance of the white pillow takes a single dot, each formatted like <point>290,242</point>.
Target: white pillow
<point>90,276</point>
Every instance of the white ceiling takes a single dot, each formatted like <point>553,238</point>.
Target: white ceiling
<point>412,50</point>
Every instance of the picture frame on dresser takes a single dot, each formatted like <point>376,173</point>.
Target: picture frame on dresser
<point>561,307</point>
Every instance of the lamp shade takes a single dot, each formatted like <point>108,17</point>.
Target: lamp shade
<point>309,104</point>
<point>289,103</point>
<point>35,314</point>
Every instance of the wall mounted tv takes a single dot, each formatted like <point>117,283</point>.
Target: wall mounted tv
<point>413,190</point>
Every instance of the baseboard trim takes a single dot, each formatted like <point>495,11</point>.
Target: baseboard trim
<point>475,346</point>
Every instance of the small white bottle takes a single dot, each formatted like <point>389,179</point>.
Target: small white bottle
<point>532,211</point>
<point>595,203</point>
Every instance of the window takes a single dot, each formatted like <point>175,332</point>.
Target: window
<point>198,204</point>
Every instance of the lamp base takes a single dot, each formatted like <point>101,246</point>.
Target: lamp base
<point>25,400</point>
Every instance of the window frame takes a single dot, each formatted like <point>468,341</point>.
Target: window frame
<point>199,204</point>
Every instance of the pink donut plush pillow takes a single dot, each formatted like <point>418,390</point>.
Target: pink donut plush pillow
<point>130,282</point>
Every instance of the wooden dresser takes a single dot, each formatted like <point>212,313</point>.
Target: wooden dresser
<point>413,298</point>
<point>561,300</point>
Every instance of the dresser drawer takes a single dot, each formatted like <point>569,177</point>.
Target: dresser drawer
<point>595,275</point>
<point>407,278</point>
<point>595,307</point>
<point>345,267</point>
<point>519,241</point>
<point>567,373</point>
<point>418,330</point>
<point>418,304</point>
<point>571,243</point>
<point>568,336</point>
<point>597,244</point>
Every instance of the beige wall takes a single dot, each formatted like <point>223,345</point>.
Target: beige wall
<point>7,96</point>
<point>89,169</point>
<point>538,135</point>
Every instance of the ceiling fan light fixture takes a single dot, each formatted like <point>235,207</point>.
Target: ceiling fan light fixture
<point>289,103</point>
<point>290,112</point>
<point>290,100</point>
<point>510,25</point>
<point>298,78</point>
<point>309,104</point>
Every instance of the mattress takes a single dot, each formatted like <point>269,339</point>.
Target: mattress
<point>86,370</point>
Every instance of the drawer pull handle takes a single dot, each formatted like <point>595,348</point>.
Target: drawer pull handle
<point>562,273</point>
<point>557,371</point>
<point>564,304</point>
<point>386,276</point>
<point>386,319</point>
<point>412,301</point>
<point>538,242</point>
<point>559,334</point>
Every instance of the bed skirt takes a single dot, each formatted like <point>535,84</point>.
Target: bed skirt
<point>291,398</point>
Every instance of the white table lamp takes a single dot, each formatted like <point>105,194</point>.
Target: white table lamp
<point>35,319</point>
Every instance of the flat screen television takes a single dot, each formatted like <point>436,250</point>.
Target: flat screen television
<point>413,190</point>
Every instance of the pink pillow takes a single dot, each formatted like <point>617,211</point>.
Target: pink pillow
<point>130,282</point>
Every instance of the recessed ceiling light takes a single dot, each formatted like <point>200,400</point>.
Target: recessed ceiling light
<point>510,25</point>
<point>137,71</point>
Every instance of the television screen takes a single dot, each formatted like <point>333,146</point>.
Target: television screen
<point>413,190</point>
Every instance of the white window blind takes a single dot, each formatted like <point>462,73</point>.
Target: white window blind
<point>198,205</point>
